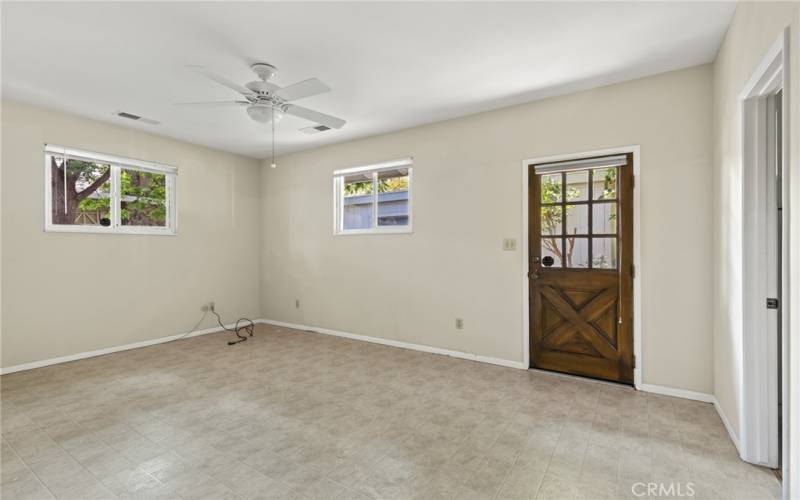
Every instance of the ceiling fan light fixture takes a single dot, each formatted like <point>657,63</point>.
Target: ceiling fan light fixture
<point>264,114</point>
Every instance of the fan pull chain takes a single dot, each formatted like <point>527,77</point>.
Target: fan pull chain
<point>273,165</point>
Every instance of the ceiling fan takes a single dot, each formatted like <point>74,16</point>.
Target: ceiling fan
<point>267,102</point>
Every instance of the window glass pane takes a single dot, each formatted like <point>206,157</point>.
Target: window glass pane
<point>393,197</point>
<point>604,253</point>
<point>551,220</point>
<point>143,198</point>
<point>357,201</point>
<point>577,252</point>
<point>577,219</point>
<point>551,252</point>
<point>551,188</point>
<point>578,185</point>
<point>83,197</point>
<point>604,218</point>
<point>604,183</point>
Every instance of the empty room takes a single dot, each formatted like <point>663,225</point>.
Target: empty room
<point>400,250</point>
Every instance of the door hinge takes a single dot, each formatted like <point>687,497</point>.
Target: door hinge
<point>633,362</point>
<point>633,182</point>
<point>633,271</point>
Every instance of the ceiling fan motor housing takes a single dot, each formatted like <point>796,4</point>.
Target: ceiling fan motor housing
<point>264,71</point>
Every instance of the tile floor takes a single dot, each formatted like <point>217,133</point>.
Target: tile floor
<point>299,415</point>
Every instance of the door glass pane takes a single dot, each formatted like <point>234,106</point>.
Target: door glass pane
<point>393,197</point>
<point>357,201</point>
<point>577,219</point>
<point>604,218</point>
<point>604,183</point>
<point>578,185</point>
<point>551,252</point>
<point>604,253</point>
<point>551,220</point>
<point>143,198</point>
<point>577,252</point>
<point>551,188</point>
<point>82,196</point>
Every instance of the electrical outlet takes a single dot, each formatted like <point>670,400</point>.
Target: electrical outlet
<point>459,324</point>
<point>297,303</point>
<point>509,244</point>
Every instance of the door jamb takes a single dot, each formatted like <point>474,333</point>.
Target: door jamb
<point>637,278</point>
<point>759,386</point>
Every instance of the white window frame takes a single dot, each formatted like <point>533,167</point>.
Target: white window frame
<point>117,164</point>
<point>375,168</point>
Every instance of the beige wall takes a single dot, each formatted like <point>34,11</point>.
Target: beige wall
<point>467,198</point>
<point>755,27</point>
<point>69,293</point>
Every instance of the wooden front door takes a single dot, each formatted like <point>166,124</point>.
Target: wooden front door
<point>581,267</point>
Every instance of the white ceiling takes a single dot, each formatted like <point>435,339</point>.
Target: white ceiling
<point>390,65</point>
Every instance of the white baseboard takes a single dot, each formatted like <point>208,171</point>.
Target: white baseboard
<point>677,393</point>
<point>727,425</point>
<point>397,343</point>
<point>107,350</point>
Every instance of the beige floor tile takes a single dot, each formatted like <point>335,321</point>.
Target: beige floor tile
<point>60,476</point>
<point>554,487</point>
<point>192,484</point>
<point>26,489</point>
<point>106,463</point>
<point>129,482</point>
<point>325,489</point>
<point>93,491</point>
<point>488,477</point>
<point>523,481</point>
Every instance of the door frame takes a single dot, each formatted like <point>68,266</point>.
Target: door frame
<point>637,278</point>
<point>758,408</point>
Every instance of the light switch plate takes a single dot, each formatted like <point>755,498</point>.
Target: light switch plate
<point>509,244</point>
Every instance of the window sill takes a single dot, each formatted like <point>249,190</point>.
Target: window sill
<point>374,231</point>
<point>110,230</point>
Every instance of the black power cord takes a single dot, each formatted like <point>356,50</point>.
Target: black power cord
<point>242,324</point>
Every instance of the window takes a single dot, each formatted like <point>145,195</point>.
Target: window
<point>579,214</point>
<point>373,199</point>
<point>99,193</point>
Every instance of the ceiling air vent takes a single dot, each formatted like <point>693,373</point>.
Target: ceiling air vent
<point>315,129</point>
<point>131,116</point>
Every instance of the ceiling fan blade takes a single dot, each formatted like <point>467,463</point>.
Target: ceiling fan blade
<point>221,80</point>
<point>300,90</point>
<point>314,116</point>
<point>212,103</point>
